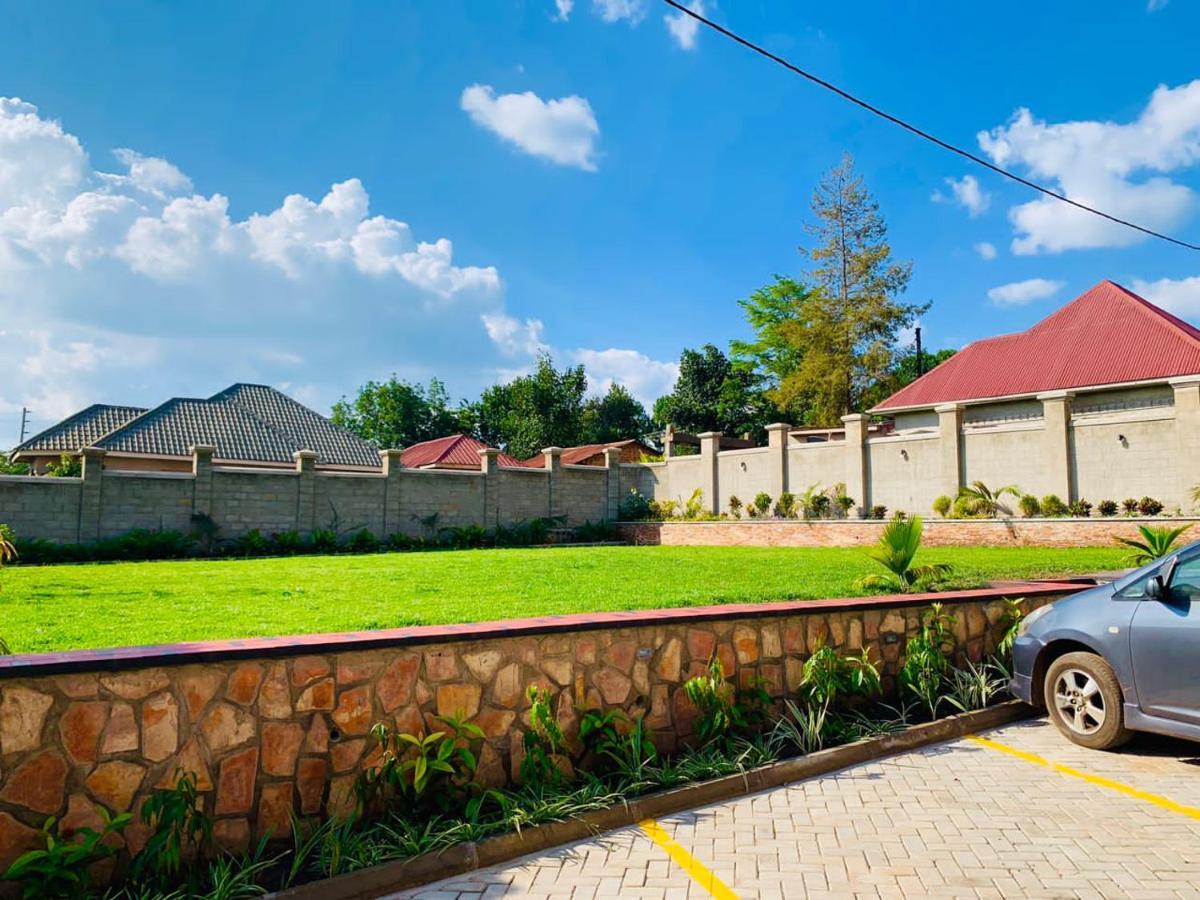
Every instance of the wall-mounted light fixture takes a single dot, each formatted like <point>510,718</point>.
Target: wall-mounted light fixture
<point>904,453</point>
<point>1121,438</point>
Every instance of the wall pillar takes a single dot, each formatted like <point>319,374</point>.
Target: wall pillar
<point>856,466</point>
<point>668,442</point>
<point>554,504</point>
<point>950,448</point>
<point>710,445</point>
<point>1056,447</point>
<point>489,465</point>
<point>306,491</point>
<point>1187,436</point>
<point>393,474</point>
<point>91,501</point>
<point>612,462</point>
<point>202,463</point>
<point>777,466</point>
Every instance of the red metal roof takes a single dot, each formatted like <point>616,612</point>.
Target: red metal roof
<point>576,455</point>
<point>1108,335</point>
<point>455,451</point>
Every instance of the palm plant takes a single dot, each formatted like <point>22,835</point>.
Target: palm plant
<point>983,501</point>
<point>1155,544</point>
<point>897,546</point>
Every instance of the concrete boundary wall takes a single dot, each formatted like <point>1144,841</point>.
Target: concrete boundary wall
<point>280,725</point>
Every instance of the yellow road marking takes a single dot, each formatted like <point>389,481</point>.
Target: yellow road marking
<point>699,873</point>
<point>1098,780</point>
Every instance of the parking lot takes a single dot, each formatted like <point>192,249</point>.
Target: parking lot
<point>1016,812</point>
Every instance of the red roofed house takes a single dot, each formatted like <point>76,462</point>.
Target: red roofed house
<point>1099,400</point>
<point>632,451</point>
<point>455,451</point>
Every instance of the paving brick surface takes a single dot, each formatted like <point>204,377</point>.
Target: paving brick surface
<point>955,820</point>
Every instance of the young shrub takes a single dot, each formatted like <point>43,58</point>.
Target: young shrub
<point>723,711</point>
<point>1107,508</point>
<point>634,507</point>
<point>1011,618</point>
<point>1081,509</point>
<point>287,543</point>
<point>880,512</point>
<point>1148,506</point>
<point>206,533</point>
<point>611,752</point>
<point>820,506</point>
<point>663,510</point>
<point>942,505</point>
<point>735,506</point>
<point>802,728</point>
<point>975,687</point>
<point>988,503</point>
<point>1053,507</point>
<point>927,658</point>
<point>179,832</point>
<point>68,466</point>
<point>963,508</point>
<point>845,504</point>
<point>323,540</point>
<point>252,543</point>
<point>1129,506</point>
<point>785,506</point>
<point>1030,506</point>
<point>64,867</point>
<point>762,503</point>
<point>826,677</point>
<point>363,541</point>
<point>1155,544</point>
<point>897,547</point>
<point>544,742</point>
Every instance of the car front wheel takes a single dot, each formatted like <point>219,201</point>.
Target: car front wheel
<point>1084,700</point>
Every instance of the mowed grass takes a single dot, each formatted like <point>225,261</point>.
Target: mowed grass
<point>115,604</point>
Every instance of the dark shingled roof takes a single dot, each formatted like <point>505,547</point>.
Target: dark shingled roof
<point>245,422</point>
<point>82,429</point>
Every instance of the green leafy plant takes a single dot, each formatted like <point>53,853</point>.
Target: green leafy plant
<point>693,507</point>
<point>927,658</point>
<point>803,727</point>
<point>323,540</point>
<point>1053,506</point>
<point>723,711</point>
<point>897,547</point>
<point>974,687</point>
<point>735,506</point>
<point>942,505</point>
<point>1107,508</point>
<point>179,828</point>
<point>626,755</point>
<point>287,543</point>
<point>988,503</point>
<point>828,676</point>
<point>1011,618</point>
<point>544,741</point>
<point>878,511</point>
<point>63,867</point>
<point>1129,506</point>
<point>68,466</point>
<point>420,773</point>
<point>1081,509</point>
<point>635,506</point>
<point>205,532</point>
<point>363,541</point>
<point>1155,544</point>
<point>762,503</point>
<point>252,543</point>
<point>1148,506</point>
<point>785,506</point>
<point>845,504</point>
<point>1030,506</point>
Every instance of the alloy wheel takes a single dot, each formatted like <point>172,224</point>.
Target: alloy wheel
<point>1079,701</point>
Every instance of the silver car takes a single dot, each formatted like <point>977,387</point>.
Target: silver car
<point>1120,657</point>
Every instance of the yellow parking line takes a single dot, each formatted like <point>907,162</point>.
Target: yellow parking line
<point>1098,780</point>
<point>699,873</point>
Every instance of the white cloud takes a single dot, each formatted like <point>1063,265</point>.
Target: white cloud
<point>514,337</point>
<point>683,28</point>
<point>153,175</point>
<point>986,250</point>
<point>1180,296</point>
<point>562,9</point>
<point>1155,5</point>
<point>1019,293</point>
<point>1117,167</point>
<point>563,131</point>
<point>633,11</point>
<point>967,193</point>
<point>647,379</point>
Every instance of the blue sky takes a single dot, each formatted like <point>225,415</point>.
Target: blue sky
<point>598,183</point>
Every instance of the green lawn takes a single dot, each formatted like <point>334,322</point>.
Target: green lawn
<point>111,604</point>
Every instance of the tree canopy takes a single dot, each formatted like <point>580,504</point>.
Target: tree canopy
<point>711,394</point>
<point>397,413</point>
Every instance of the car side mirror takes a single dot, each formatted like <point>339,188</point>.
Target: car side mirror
<point>1155,588</point>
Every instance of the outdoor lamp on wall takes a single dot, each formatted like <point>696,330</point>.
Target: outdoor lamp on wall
<point>904,453</point>
<point>1121,438</point>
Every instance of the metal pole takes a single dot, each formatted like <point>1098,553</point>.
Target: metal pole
<point>920,361</point>
<point>24,421</point>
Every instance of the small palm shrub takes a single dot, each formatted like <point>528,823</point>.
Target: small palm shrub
<point>1148,506</point>
<point>818,508</point>
<point>942,505</point>
<point>1107,508</point>
<point>1129,506</point>
<point>986,502</point>
<point>1030,506</point>
<point>897,547</point>
<point>1081,508</point>
<point>735,506</point>
<point>762,503</point>
<point>693,507</point>
<point>963,508</point>
<point>845,504</point>
<point>927,658</point>
<point>1155,544</point>
<point>785,506</point>
<point>1053,506</point>
<point>879,511</point>
<point>828,676</point>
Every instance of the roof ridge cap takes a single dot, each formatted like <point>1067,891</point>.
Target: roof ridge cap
<point>1153,311</point>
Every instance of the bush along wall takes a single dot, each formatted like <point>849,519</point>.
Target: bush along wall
<point>555,716</point>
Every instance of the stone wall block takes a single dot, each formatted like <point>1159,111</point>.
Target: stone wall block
<point>121,732</point>
<point>136,684</point>
<point>745,644</point>
<point>316,696</point>
<point>353,714</point>
<point>115,783</point>
<point>281,747</point>
<point>160,727</point>
<point>198,686</point>
<point>395,685</point>
<point>243,684</point>
<point>483,664</point>
<point>22,714</point>
<point>80,728</point>
<point>700,644</point>
<point>235,784</point>
<point>38,783</point>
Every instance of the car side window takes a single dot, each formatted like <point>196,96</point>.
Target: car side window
<point>1185,582</point>
<point>1136,590</point>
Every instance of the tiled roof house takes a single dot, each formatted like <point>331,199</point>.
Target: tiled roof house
<point>455,451</point>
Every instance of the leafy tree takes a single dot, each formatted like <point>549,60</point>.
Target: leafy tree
<point>905,370</point>
<point>614,417</point>
<point>394,413</point>
<point>8,467</point>
<point>535,411</point>
<point>711,394</point>
<point>826,345</point>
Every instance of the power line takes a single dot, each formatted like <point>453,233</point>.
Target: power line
<point>945,145</point>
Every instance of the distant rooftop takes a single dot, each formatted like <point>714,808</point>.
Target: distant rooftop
<point>81,430</point>
<point>455,451</point>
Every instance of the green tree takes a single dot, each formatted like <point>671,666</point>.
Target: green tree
<point>771,357</point>
<point>535,411</point>
<point>614,417</point>
<point>395,413</point>
<point>8,467</point>
<point>823,347</point>
<point>711,394</point>
<point>903,373</point>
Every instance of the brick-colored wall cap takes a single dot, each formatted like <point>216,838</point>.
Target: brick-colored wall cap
<point>32,665</point>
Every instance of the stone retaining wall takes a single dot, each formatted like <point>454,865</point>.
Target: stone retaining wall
<point>1098,532</point>
<point>274,726</point>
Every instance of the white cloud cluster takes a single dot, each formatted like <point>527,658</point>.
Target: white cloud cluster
<point>129,286</point>
<point>1019,293</point>
<point>562,9</point>
<point>632,11</point>
<point>986,250</point>
<point>647,379</point>
<point>967,193</point>
<point>1180,295</point>
<point>684,30</point>
<point>1120,168</point>
<point>563,131</point>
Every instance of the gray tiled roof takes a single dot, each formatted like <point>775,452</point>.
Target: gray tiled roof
<point>245,422</point>
<point>82,429</point>
<point>308,430</point>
